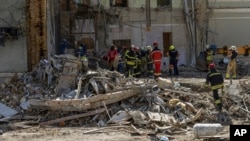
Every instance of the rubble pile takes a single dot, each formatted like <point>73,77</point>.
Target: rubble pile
<point>63,91</point>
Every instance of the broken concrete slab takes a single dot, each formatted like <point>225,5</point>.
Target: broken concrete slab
<point>83,103</point>
<point>6,111</point>
<point>138,117</point>
<point>164,83</point>
<point>119,117</point>
<point>24,104</point>
<point>160,117</point>
<point>66,82</point>
<point>234,92</point>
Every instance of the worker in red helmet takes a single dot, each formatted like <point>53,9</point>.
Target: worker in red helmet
<point>156,56</point>
<point>216,81</point>
<point>155,43</point>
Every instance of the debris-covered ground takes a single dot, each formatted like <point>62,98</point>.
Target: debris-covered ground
<point>65,99</point>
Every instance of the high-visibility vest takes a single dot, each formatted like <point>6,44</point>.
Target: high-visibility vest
<point>209,55</point>
<point>130,57</point>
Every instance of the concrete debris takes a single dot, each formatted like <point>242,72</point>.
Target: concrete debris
<point>63,91</point>
<point>160,117</point>
<point>6,111</point>
<point>138,117</point>
<point>119,117</point>
<point>206,129</point>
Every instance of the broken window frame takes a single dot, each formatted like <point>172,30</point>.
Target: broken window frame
<point>164,3</point>
<point>122,42</point>
<point>8,33</point>
<point>115,3</point>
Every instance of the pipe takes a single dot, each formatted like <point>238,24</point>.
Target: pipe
<point>148,14</point>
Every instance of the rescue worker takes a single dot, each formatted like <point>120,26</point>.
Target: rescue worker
<point>149,62</point>
<point>137,67</point>
<point>173,60</point>
<point>63,46</point>
<point>209,55</point>
<point>231,67</point>
<point>144,61</point>
<point>130,56</point>
<point>112,58</point>
<point>156,56</point>
<point>216,81</point>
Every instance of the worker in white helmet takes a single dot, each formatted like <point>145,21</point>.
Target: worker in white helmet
<point>231,67</point>
<point>209,55</point>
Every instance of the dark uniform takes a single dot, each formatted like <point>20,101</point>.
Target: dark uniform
<point>137,67</point>
<point>216,81</point>
<point>150,62</point>
<point>173,60</point>
<point>143,62</point>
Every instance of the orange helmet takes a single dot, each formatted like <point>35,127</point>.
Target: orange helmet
<point>211,66</point>
<point>155,43</point>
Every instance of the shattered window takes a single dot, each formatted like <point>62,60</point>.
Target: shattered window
<point>164,3</point>
<point>7,33</point>
<point>118,3</point>
<point>120,44</point>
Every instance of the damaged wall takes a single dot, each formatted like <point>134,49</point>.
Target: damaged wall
<point>36,31</point>
<point>35,40</point>
<point>128,23</point>
<point>230,26</point>
<point>13,55</point>
<point>163,20</point>
<point>52,27</point>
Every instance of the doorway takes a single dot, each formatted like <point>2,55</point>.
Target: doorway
<point>167,42</point>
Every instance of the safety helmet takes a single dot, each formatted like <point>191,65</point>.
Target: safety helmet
<point>132,46</point>
<point>211,66</point>
<point>149,48</point>
<point>171,47</point>
<point>155,43</point>
<point>232,48</point>
<point>208,46</point>
<point>137,48</point>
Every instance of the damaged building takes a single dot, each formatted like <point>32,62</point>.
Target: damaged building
<point>34,30</point>
<point>45,86</point>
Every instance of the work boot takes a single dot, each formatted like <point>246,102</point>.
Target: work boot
<point>218,107</point>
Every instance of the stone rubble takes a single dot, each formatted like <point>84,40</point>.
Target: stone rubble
<point>58,91</point>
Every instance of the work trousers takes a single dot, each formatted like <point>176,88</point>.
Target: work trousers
<point>174,63</point>
<point>157,71</point>
<point>144,65</point>
<point>150,70</point>
<point>137,70</point>
<point>231,69</point>
<point>130,69</point>
<point>217,100</point>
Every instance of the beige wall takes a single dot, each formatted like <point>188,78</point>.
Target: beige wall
<point>13,57</point>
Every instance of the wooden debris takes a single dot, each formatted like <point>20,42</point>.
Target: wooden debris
<point>79,88</point>
<point>84,104</point>
<point>18,117</point>
<point>103,128</point>
<point>106,109</point>
<point>136,130</point>
<point>181,92</point>
<point>90,113</point>
<point>19,125</point>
